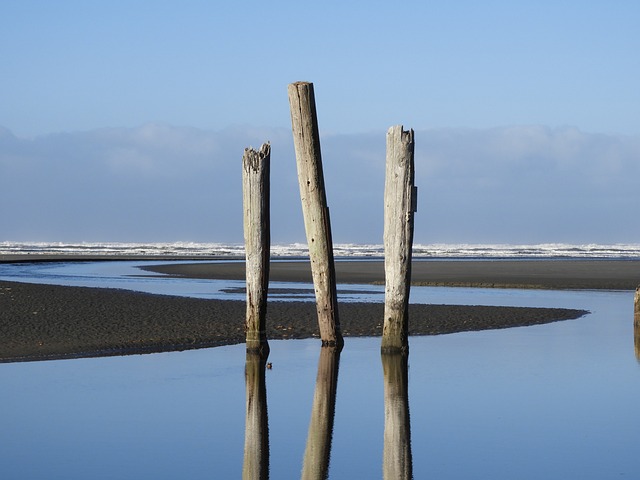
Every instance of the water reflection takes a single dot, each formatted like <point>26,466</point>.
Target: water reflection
<point>318,449</point>
<point>397,457</point>
<point>636,339</point>
<point>397,462</point>
<point>636,323</point>
<point>256,434</point>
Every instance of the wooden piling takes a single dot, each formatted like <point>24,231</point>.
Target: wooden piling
<point>306,140</point>
<point>257,241</point>
<point>400,200</point>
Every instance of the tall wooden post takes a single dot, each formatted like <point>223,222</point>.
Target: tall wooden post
<point>400,200</point>
<point>306,140</point>
<point>257,241</point>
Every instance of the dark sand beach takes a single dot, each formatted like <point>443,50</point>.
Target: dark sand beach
<point>47,322</point>
<point>549,274</point>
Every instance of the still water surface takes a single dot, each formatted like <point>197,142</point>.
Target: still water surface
<point>554,401</point>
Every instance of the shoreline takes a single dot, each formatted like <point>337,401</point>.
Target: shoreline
<point>40,322</point>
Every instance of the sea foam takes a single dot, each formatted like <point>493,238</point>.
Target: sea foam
<point>344,250</point>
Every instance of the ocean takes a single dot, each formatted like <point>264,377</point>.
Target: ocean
<point>342,250</point>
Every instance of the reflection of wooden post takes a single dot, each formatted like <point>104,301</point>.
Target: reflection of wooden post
<point>400,200</point>
<point>256,433</point>
<point>306,140</point>
<point>636,323</point>
<point>255,199</point>
<point>397,461</point>
<point>318,450</point>
<point>636,307</point>
<point>636,340</point>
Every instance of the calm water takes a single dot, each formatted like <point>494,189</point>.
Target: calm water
<point>556,401</point>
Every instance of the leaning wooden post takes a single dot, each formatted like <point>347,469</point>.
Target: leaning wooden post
<point>400,200</point>
<point>255,200</point>
<point>306,140</point>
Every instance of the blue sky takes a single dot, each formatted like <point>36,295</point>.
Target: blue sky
<point>526,116</point>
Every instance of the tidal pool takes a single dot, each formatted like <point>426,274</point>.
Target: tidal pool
<point>553,401</point>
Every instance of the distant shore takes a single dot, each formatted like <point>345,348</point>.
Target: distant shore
<point>48,322</point>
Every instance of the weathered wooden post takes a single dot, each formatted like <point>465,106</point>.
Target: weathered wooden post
<point>306,140</point>
<point>397,460</point>
<point>318,449</point>
<point>257,241</point>
<point>400,200</point>
<point>256,431</point>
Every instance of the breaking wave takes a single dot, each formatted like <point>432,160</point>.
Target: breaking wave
<point>435,251</point>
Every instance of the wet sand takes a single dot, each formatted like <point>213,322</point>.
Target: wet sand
<point>549,274</point>
<point>49,322</point>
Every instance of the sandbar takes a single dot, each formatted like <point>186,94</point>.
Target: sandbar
<point>548,274</point>
<point>39,322</point>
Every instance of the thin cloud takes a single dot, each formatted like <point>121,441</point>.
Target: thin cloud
<point>517,184</point>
